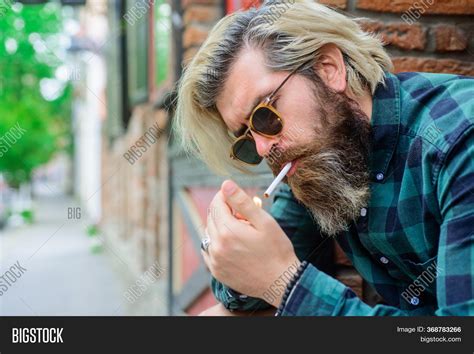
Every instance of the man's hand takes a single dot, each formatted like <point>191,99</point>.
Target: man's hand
<point>250,255</point>
<point>218,310</point>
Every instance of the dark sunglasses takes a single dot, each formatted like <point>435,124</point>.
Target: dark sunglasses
<point>264,120</point>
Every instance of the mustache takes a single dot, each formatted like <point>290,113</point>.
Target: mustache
<point>278,157</point>
<point>341,137</point>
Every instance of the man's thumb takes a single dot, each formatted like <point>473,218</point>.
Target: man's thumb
<point>240,202</point>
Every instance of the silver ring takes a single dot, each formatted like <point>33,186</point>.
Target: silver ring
<point>205,242</point>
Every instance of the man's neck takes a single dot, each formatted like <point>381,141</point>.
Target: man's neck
<point>365,102</point>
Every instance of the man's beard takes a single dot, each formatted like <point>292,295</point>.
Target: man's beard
<point>331,178</point>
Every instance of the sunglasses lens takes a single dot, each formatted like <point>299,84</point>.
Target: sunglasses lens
<point>266,121</point>
<point>246,151</point>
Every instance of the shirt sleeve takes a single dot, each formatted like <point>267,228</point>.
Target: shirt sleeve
<point>318,294</point>
<point>298,225</point>
<point>455,280</point>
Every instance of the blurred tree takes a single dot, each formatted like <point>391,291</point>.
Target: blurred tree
<point>35,93</point>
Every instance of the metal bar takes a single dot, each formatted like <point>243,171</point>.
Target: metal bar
<point>191,218</point>
<point>126,110</point>
<point>170,239</point>
<point>177,35</point>
<point>195,286</point>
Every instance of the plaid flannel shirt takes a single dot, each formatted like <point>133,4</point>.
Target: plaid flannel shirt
<point>414,241</point>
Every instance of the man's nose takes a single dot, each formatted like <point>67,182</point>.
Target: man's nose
<point>264,144</point>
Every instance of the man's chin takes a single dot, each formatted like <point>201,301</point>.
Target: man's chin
<point>333,197</point>
<point>337,218</point>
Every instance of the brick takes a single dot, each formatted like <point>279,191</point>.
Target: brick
<point>399,34</point>
<point>201,14</point>
<point>340,257</point>
<point>452,66</point>
<point>194,35</point>
<point>189,54</point>
<point>450,38</point>
<point>186,3</point>
<point>420,7</point>
<point>341,4</point>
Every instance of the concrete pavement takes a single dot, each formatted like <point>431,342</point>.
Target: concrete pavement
<point>63,276</point>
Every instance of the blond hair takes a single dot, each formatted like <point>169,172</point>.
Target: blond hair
<point>286,40</point>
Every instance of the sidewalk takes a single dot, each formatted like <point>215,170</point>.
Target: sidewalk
<point>63,276</point>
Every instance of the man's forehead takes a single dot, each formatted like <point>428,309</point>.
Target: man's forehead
<point>242,86</point>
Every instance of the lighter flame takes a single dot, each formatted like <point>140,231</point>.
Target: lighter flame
<point>257,201</point>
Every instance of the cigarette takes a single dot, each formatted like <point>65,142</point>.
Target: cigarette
<point>277,180</point>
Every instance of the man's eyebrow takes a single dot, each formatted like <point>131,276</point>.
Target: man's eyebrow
<point>249,112</point>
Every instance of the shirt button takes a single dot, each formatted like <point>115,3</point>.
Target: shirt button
<point>379,176</point>
<point>363,212</point>
<point>414,301</point>
<point>384,260</point>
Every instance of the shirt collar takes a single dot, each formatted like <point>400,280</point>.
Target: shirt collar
<point>385,124</point>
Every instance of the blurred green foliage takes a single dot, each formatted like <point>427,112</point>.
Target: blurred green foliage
<point>28,216</point>
<point>92,230</point>
<point>162,40</point>
<point>31,51</point>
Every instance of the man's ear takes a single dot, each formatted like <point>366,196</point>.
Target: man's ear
<point>331,67</point>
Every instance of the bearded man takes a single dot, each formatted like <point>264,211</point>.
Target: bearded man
<point>383,163</point>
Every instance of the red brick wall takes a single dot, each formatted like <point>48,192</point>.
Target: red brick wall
<point>423,35</point>
<point>134,196</point>
<point>199,17</point>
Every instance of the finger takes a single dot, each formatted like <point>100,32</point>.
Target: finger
<point>238,216</point>
<point>241,218</point>
<point>241,203</point>
<point>212,233</point>
<point>216,210</point>
<point>213,213</point>
<point>225,221</point>
<point>207,260</point>
<point>211,228</point>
